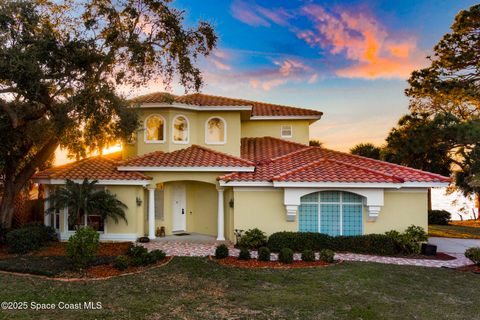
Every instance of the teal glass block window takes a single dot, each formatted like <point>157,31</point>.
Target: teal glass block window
<point>352,219</point>
<point>331,212</point>
<point>308,218</point>
<point>330,196</point>
<point>351,197</point>
<point>330,219</point>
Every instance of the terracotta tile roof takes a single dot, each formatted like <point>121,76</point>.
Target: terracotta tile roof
<point>265,148</point>
<point>329,170</point>
<point>193,156</point>
<point>93,168</point>
<point>305,160</point>
<point>200,99</point>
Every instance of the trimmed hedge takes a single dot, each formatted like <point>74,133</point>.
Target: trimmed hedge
<point>29,238</point>
<point>244,254</point>
<point>473,254</point>
<point>221,252</point>
<point>378,244</point>
<point>264,254</point>
<point>441,217</point>
<point>285,255</point>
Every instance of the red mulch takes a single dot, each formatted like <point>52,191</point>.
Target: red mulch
<point>254,263</point>
<point>55,249</point>
<point>471,268</point>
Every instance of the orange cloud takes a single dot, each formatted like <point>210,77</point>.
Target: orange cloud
<point>363,40</point>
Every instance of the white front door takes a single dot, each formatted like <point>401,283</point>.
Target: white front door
<point>179,210</point>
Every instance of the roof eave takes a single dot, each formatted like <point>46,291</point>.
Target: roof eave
<point>109,182</point>
<point>187,169</point>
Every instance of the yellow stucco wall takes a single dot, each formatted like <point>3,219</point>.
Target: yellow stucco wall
<point>401,209</point>
<point>134,213</point>
<point>262,128</point>
<point>197,122</point>
<point>261,209</point>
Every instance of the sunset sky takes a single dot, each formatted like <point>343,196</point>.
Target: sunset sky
<point>349,59</point>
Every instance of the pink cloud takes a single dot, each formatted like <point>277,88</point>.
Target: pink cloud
<point>364,41</point>
<point>220,65</point>
<point>243,12</point>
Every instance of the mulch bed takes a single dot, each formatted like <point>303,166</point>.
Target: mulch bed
<point>439,256</point>
<point>254,263</point>
<point>471,268</point>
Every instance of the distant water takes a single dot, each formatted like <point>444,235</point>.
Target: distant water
<point>442,201</point>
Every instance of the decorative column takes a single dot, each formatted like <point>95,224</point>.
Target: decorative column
<point>46,206</point>
<point>221,216</point>
<point>151,213</point>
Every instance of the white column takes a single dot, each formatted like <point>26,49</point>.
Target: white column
<point>46,205</point>
<point>221,218</point>
<point>151,213</point>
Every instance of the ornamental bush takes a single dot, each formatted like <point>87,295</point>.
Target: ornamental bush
<point>439,217</point>
<point>221,252</point>
<point>244,254</point>
<point>157,255</point>
<point>29,238</point>
<point>139,256</point>
<point>308,255</point>
<point>473,254</point>
<point>121,263</point>
<point>409,241</point>
<point>83,246</point>
<point>253,239</point>
<point>285,255</point>
<point>327,255</point>
<point>263,254</point>
<point>379,244</point>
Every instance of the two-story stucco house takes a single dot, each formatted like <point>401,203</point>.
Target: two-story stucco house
<point>210,165</point>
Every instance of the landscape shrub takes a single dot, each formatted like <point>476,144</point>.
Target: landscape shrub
<point>473,254</point>
<point>3,234</point>
<point>308,255</point>
<point>157,255</point>
<point>327,255</point>
<point>378,244</point>
<point>439,217</point>
<point>121,263</point>
<point>221,252</point>
<point>139,256</point>
<point>83,246</point>
<point>409,241</point>
<point>263,254</point>
<point>285,255</point>
<point>244,254</point>
<point>29,238</point>
<point>253,239</point>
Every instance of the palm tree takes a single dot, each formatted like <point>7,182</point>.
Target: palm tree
<point>83,198</point>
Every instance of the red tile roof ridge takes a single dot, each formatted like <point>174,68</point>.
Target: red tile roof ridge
<point>434,175</point>
<point>289,154</point>
<point>223,154</point>
<point>297,169</point>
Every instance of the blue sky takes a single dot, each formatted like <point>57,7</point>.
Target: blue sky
<point>349,59</point>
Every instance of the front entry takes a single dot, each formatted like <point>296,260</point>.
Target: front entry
<point>179,219</point>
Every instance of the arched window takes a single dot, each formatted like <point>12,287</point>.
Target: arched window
<point>215,131</point>
<point>331,212</point>
<point>180,129</point>
<point>155,129</point>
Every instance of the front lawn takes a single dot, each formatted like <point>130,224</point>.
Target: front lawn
<point>454,231</point>
<point>196,288</point>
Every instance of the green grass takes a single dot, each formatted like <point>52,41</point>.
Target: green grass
<point>195,288</point>
<point>453,231</point>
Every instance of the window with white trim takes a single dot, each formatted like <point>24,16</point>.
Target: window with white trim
<point>286,131</point>
<point>215,131</point>
<point>331,212</point>
<point>180,129</point>
<point>155,128</point>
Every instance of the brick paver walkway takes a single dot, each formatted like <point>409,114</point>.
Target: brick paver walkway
<point>190,249</point>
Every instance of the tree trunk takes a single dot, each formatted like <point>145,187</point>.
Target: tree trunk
<point>477,203</point>
<point>15,180</point>
<point>429,199</point>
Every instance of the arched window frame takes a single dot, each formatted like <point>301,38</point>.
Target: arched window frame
<point>224,131</point>
<point>340,202</point>
<point>145,129</point>
<point>173,129</point>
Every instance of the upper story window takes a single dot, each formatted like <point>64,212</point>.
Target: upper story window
<point>215,131</point>
<point>155,128</point>
<point>286,131</point>
<point>180,129</point>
